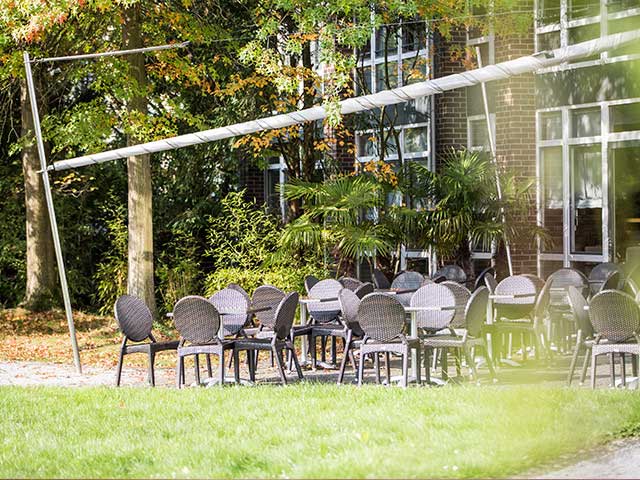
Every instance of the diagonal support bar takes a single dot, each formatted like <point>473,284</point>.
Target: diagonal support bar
<point>52,213</point>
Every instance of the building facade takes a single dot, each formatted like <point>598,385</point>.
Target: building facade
<point>573,128</point>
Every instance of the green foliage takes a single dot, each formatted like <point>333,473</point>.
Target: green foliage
<point>111,274</point>
<point>243,239</point>
<point>242,235</point>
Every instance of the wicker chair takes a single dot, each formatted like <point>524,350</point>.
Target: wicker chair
<point>434,295</point>
<point>600,273</point>
<point>310,281</point>
<point>382,319</point>
<point>135,322</point>
<point>233,307</point>
<point>584,334</point>
<point>490,282</point>
<point>439,278</point>
<point>480,278</point>
<point>268,296</point>
<point>462,295</point>
<point>349,304</point>
<point>614,281</point>
<point>521,311</point>
<point>198,323</point>
<point>238,288</point>
<point>467,338</point>
<point>364,290</point>
<point>380,280</point>
<point>351,283</point>
<point>453,273</point>
<point>615,317</point>
<point>326,310</point>
<point>407,281</point>
<point>279,342</point>
<point>561,322</point>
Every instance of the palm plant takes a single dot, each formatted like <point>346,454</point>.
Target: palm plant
<point>340,215</point>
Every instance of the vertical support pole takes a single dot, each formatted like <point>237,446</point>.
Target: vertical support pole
<point>52,214</point>
<point>492,147</point>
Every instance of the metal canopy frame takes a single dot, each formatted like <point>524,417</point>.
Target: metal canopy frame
<point>526,64</point>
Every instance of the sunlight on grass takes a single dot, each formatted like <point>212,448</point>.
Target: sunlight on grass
<point>301,431</point>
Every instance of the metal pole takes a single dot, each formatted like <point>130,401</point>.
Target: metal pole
<point>52,213</point>
<point>492,147</point>
<point>110,54</point>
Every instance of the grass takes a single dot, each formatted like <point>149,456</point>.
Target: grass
<point>305,430</point>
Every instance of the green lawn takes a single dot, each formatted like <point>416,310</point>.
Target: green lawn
<point>302,430</point>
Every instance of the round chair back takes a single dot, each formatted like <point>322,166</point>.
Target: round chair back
<point>364,290</point>
<point>238,288</point>
<point>380,280</point>
<point>196,319</point>
<point>614,315</point>
<point>453,273</point>
<point>310,281</point>
<point>232,305</point>
<point>600,273</point>
<point>563,279</point>
<point>434,295</point>
<point>521,305</point>
<point>267,296</point>
<point>475,312</point>
<point>381,317</point>
<point>462,295</point>
<point>323,312</point>
<point>580,313</point>
<point>490,282</point>
<point>285,314</point>
<point>613,282</point>
<point>480,278</point>
<point>349,304</point>
<point>134,317</point>
<point>407,281</point>
<point>350,283</point>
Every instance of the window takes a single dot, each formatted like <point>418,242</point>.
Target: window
<point>477,130</point>
<point>396,55</point>
<point>561,23</point>
<point>625,117</point>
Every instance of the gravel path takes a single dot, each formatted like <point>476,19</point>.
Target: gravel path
<point>619,459</point>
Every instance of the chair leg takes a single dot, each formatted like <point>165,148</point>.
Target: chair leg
<point>179,371</point>
<point>427,366</point>
<point>254,364</point>
<point>294,357</point>
<point>444,363</point>
<point>236,365</point>
<point>387,362</point>
<point>209,370</point>
<point>333,350</point>
<point>345,356</point>
<point>361,369</point>
<point>196,368</point>
<point>418,362</point>
<point>594,365</point>
<point>278,356</point>
<point>405,368</point>
<point>376,366</point>
<point>574,358</point>
<point>612,372</point>
<point>585,365</point>
<point>221,373</point>
<point>489,361</point>
<point>120,361</point>
<point>623,372</point>
<point>354,364</point>
<point>152,376</point>
<point>313,352</point>
<point>323,346</point>
<point>470,363</point>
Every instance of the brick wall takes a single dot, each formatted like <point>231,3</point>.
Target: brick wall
<point>515,133</point>
<point>450,107</point>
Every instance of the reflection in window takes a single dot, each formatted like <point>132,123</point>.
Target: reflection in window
<point>478,134</point>
<point>583,8</point>
<point>586,192</point>
<point>551,126</point>
<point>386,76</point>
<point>585,122</point>
<point>551,162</point>
<point>548,12</point>
<point>625,118</point>
<point>549,41</point>
<point>416,140</point>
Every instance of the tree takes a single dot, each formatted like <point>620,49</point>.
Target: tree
<point>140,271</point>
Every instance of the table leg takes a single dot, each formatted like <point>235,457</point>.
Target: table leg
<point>414,334</point>
<point>303,321</point>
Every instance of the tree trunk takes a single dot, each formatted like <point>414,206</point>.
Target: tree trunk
<point>140,272</point>
<point>41,273</point>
